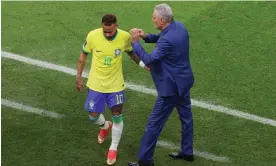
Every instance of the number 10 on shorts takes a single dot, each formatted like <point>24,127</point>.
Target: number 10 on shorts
<point>119,99</point>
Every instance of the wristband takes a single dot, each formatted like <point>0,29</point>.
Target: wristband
<point>141,63</point>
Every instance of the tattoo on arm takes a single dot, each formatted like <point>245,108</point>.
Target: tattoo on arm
<point>134,57</point>
<point>81,63</point>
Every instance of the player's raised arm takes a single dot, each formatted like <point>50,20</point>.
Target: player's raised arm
<point>133,56</point>
<point>136,59</point>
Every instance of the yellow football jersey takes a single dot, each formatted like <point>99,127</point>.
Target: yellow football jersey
<point>106,74</point>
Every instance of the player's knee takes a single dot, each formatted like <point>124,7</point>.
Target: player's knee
<point>94,119</point>
<point>117,118</point>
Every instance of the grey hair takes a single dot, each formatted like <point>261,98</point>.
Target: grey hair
<point>164,11</point>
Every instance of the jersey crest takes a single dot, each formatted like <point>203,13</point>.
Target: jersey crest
<point>117,52</point>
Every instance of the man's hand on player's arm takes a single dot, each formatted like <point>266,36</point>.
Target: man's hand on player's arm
<point>142,34</point>
<point>81,64</point>
<point>136,59</point>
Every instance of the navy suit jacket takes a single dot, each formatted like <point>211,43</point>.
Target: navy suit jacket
<point>169,61</point>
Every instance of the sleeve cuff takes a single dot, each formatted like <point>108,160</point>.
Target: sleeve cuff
<point>147,37</point>
<point>83,49</point>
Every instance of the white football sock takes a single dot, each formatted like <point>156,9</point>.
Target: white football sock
<point>117,130</point>
<point>100,121</point>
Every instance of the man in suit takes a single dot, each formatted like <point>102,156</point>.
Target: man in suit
<point>173,78</point>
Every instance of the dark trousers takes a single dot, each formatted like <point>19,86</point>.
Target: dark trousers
<point>160,114</point>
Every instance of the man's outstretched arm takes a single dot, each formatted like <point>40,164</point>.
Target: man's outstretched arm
<point>148,38</point>
<point>162,48</point>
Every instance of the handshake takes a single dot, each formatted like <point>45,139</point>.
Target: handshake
<point>137,34</point>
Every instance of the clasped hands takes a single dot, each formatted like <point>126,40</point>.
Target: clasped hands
<point>137,34</point>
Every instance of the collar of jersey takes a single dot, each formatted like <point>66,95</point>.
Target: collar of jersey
<point>116,34</point>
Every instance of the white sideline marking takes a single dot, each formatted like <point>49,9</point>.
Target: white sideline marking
<point>206,155</point>
<point>144,89</point>
<point>25,108</point>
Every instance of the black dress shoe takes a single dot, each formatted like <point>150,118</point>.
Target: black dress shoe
<point>140,163</point>
<point>182,156</point>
